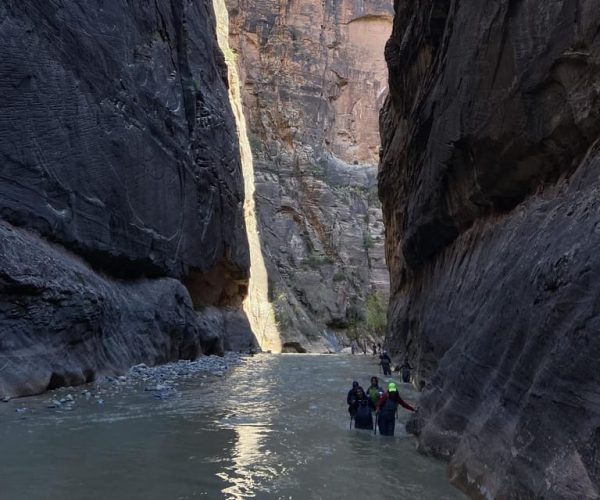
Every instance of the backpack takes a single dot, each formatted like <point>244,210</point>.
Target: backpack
<point>389,408</point>
<point>374,393</point>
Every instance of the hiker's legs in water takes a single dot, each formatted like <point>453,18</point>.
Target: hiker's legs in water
<point>386,425</point>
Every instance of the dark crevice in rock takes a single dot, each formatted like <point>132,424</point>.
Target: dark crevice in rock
<point>222,286</point>
<point>293,347</point>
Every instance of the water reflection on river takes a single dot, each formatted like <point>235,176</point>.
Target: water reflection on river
<point>275,427</point>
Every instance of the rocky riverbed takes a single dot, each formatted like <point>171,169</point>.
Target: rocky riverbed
<point>159,382</point>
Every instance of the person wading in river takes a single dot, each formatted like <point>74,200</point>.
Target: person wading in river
<point>374,392</point>
<point>363,418</point>
<point>386,410</point>
<point>405,369</point>
<point>386,363</point>
<point>352,398</point>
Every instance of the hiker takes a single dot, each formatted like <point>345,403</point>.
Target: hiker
<point>363,418</point>
<point>386,363</point>
<point>352,397</point>
<point>386,410</point>
<point>374,392</point>
<point>379,347</point>
<point>354,347</point>
<point>374,350</point>
<point>405,369</point>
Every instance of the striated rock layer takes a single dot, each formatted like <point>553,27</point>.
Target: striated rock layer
<point>313,77</point>
<point>117,144</point>
<point>491,200</point>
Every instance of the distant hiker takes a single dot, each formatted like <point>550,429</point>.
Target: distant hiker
<point>405,369</point>
<point>386,410</point>
<point>351,398</point>
<point>354,347</point>
<point>374,350</point>
<point>363,418</point>
<point>374,392</point>
<point>386,363</point>
<point>379,347</point>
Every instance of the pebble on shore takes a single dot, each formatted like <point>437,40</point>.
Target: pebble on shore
<point>160,381</point>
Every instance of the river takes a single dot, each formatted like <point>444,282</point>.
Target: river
<point>274,427</point>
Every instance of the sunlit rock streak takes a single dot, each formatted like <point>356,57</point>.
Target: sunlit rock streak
<point>256,305</point>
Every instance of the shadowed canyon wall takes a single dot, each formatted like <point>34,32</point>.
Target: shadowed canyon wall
<point>491,198</point>
<point>119,181</point>
<point>313,78</point>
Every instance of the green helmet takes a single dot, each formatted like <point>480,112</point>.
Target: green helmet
<point>392,387</point>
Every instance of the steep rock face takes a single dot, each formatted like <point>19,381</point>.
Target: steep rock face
<point>117,143</point>
<point>62,323</point>
<point>489,184</point>
<point>108,112</point>
<point>313,77</point>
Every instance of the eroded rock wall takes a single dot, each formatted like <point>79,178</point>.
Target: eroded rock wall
<point>117,144</point>
<point>313,78</point>
<point>490,191</point>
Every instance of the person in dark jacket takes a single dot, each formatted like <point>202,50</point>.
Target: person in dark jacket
<point>405,369</point>
<point>352,398</point>
<point>386,410</point>
<point>386,363</point>
<point>363,418</point>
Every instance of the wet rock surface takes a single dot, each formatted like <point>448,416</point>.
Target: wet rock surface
<point>119,178</point>
<point>313,77</point>
<point>489,183</point>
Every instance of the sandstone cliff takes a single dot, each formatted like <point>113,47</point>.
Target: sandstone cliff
<point>119,180</point>
<point>313,78</point>
<point>489,182</point>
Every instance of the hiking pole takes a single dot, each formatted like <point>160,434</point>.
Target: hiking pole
<point>375,426</point>
<point>351,417</point>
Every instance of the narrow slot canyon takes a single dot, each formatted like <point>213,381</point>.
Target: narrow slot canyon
<point>259,249</point>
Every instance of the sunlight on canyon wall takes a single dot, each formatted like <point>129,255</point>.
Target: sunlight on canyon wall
<point>259,310</point>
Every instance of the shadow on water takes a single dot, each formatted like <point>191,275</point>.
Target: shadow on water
<point>274,427</point>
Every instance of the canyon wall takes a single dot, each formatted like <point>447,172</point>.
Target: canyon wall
<point>491,198</point>
<point>313,78</point>
<point>123,237</point>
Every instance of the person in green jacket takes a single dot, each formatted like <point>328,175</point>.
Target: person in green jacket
<point>374,392</point>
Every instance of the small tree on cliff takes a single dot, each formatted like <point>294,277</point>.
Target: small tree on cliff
<point>376,315</point>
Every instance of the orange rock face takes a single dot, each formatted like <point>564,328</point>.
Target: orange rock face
<point>313,78</point>
<point>318,70</point>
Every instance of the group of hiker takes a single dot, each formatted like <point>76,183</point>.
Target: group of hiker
<point>386,366</point>
<point>384,403</point>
